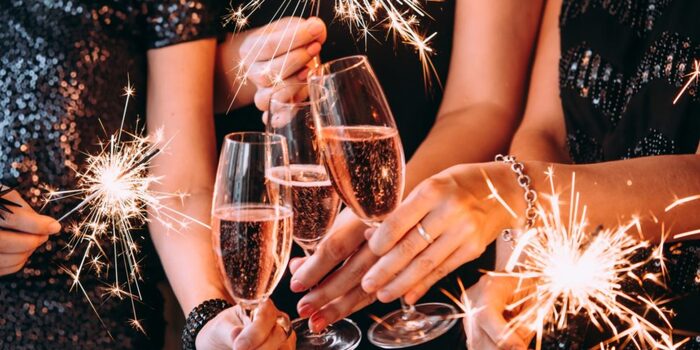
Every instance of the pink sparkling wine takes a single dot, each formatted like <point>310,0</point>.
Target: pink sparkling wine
<point>315,201</point>
<point>252,244</point>
<point>367,168</point>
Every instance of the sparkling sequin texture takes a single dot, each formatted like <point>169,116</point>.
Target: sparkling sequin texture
<point>638,15</point>
<point>622,64</point>
<point>63,64</point>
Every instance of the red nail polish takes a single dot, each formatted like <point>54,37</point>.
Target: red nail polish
<point>306,310</point>
<point>296,286</point>
<point>318,323</point>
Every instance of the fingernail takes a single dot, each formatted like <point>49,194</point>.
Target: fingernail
<point>383,296</point>
<point>296,286</point>
<point>318,322</point>
<point>54,227</point>
<point>313,49</point>
<point>315,27</point>
<point>369,285</point>
<point>303,75</point>
<point>369,233</point>
<point>305,310</point>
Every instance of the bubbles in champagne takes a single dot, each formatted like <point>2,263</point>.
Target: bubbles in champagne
<point>366,165</point>
<point>315,201</point>
<point>252,243</point>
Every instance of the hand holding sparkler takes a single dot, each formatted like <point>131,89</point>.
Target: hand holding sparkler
<point>276,53</point>
<point>484,322</point>
<point>22,231</point>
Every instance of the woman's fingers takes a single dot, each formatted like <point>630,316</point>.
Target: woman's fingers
<point>10,269</point>
<point>267,73</point>
<point>281,37</point>
<point>221,332</point>
<point>340,308</point>
<point>295,263</point>
<point>338,284</point>
<point>263,95</point>
<point>25,219</point>
<point>339,244</point>
<point>455,260</point>
<point>420,268</point>
<point>19,242</point>
<point>407,252</point>
<point>12,260</point>
<point>276,340</point>
<point>423,199</point>
<point>255,333</point>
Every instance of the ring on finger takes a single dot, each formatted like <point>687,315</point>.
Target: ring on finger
<point>424,234</point>
<point>284,323</point>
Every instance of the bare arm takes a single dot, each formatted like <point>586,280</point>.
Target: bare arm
<point>180,83</point>
<point>542,133</point>
<point>485,91</point>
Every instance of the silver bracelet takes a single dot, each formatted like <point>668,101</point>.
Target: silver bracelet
<point>530,195</point>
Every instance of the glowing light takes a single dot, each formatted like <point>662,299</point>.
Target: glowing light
<point>563,267</point>
<point>399,18</point>
<point>692,77</point>
<point>115,188</point>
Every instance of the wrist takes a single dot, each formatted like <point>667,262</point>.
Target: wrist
<point>198,318</point>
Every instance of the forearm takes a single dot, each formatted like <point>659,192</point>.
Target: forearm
<point>472,135</point>
<point>180,90</point>
<point>615,192</point>
<point>538,145</point>
<point>186,252</point>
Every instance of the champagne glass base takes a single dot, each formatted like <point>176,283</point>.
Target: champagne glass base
<point>342,335</point>
<point>397,331</point>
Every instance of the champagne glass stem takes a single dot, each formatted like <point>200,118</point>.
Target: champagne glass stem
<point>408,309</point>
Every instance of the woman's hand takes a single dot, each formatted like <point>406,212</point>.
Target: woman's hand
<point>22,232</point>
<point>339,294</point>
<point>231,330</point>
<point>459,220</point>
<point>280,52</point>
<point>486,328</point>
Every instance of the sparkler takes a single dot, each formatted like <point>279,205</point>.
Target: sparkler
<point>6,203</point>
<point>563,269</point>
<point>115,192</point>
<point>399,18</point>
<point>693,76</point>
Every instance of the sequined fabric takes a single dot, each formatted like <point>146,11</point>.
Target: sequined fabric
<point>63,64</point>
<point>622,64</point>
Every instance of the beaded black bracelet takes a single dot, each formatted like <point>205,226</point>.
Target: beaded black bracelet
<point>198,317</point>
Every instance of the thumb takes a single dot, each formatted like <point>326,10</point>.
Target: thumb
<point>28,221</point>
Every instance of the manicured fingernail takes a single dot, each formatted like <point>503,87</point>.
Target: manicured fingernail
<point>383,296</point>
<point>315,26</point>
<point>296,286</point>
<point>313,49</point>
<point>305,310</point>
<point>369,285</point>
<point>318,322</point>
<point>303,75</point>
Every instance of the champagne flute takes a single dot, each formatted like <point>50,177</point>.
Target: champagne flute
<point>252,218</point>
<point>363,152</point>
<point>315,201</point>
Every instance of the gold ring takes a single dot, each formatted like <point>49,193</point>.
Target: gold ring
<point>423,233</point>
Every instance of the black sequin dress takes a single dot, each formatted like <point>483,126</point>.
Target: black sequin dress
<point>63,64</point>
<point>622,64</point>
